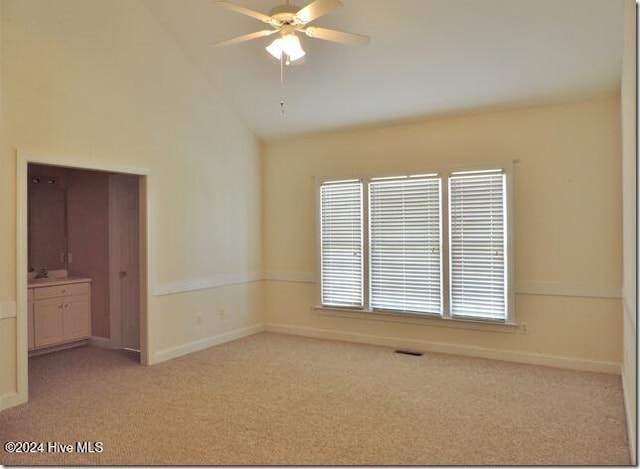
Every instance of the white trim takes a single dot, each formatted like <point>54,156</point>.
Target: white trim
<point>420,319</point>
<point>102,342</point>
<point>445,256</point>
<point>419,169</point>
<point>58,347</point>
<point>568,289</point>
<point>626,307</point>
<point>201,344</point>
<point>293,277</point>
<point>79,162</point>
<point>455,349</point>
<point>22,347</point>
<point>11,399</point>
<point>8,309</point>
<point>145,267</point>
<point>630,419</point>
<point>522,288</point>
<point>217,281</point>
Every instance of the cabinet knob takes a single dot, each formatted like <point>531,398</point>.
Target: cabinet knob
<point>64,291</point>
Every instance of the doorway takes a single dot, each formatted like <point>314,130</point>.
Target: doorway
<point>93,266</point>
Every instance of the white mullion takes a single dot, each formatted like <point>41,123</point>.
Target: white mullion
<point>509,243</point>
<point>318,187</point>
<point>366,255</point>
<point>445,221</point>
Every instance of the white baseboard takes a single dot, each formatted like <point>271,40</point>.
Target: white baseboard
<point>196,345</point>
<point>631,421</point>
<point>11,399</point>
<point>455,349</point>
<point>102,342</point>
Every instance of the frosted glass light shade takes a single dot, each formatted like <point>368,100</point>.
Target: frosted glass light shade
<point>288,44</point>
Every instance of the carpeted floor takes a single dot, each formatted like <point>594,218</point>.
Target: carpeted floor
<point>275,399</point>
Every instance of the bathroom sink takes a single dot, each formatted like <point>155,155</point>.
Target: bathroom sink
<point>60,275</point>
<point>45,280</point>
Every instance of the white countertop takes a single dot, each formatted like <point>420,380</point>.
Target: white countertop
<point>51,282</point>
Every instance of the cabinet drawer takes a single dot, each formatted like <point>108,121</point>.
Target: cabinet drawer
<point>61,290</point>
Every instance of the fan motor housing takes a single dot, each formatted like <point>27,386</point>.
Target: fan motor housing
<point>284,14</point>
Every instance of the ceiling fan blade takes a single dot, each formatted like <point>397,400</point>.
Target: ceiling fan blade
<point>246,37</point>
<point>317,9</point>
<point>245,11</point>
<point>337,36</point>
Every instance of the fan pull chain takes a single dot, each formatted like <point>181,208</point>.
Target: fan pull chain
<point>282,103</point>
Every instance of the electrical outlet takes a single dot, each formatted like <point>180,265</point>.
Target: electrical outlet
<point>199,318</point>
<point>524,328</point>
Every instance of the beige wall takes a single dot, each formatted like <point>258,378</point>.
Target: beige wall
<point>100,80</point>
<point>567,226</point>
<point>629,173</point>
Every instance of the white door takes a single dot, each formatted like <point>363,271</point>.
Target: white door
<point>124,272</point>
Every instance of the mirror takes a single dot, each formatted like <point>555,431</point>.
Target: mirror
<point>47,218</point>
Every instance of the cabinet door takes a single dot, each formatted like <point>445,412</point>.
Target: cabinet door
<point>77,317</point>
<point>30,324</point>
<point>47,324</point>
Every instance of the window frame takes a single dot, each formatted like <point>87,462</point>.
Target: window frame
<point>444,174</point>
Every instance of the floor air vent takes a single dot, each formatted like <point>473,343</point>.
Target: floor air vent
<point>409,352</point>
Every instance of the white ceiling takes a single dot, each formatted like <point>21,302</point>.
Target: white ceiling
<point>426,57</point>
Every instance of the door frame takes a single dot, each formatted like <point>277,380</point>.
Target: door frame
<point>144,203</point>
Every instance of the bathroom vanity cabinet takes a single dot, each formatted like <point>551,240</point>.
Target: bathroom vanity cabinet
<point>59,312</point>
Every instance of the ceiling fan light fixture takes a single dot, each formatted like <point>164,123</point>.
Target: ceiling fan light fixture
<point>288,44</point>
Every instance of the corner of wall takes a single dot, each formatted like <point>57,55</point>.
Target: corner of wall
<point>628,105</point>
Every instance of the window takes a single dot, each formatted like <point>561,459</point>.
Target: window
<point>341,239</point>
<point>430,244</point>
<point>477,242</point>
<point>404,244</point>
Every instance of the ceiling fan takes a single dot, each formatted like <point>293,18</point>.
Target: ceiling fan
<point>289,20</point>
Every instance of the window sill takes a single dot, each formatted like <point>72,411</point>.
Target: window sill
<point>416,318</point>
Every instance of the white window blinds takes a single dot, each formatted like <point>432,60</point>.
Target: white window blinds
<point>404,244</point>
<point>341,243</point>
<point>477,244</point>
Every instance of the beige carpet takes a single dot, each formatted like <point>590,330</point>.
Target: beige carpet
<point>274,399</point>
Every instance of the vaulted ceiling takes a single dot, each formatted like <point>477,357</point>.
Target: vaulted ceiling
<point>426,58</point>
